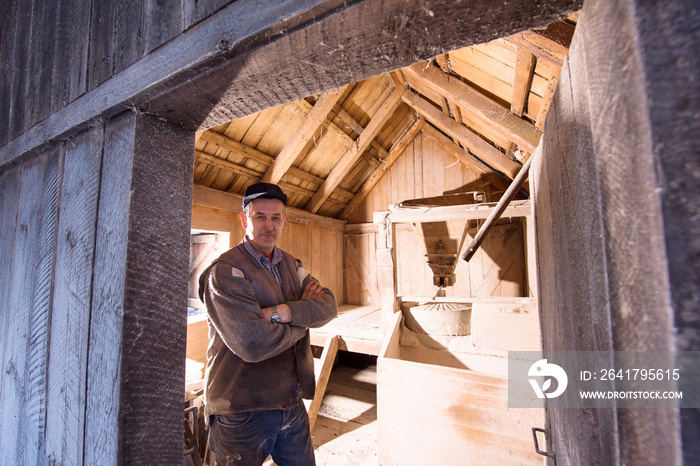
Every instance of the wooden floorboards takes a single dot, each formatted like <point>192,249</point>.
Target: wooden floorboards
<point>346,427</point>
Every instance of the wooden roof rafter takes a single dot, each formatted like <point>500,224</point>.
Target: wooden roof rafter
<point>524,71</point>
<point>314,119</point>
<point>396,150</point>
<point>348,160</point>
<point>507,124</point>
<point>550,44</point>
<point>242,150</point>
<point>472,141</point>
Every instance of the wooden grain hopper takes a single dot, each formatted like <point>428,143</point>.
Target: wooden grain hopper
<point>130,130</point>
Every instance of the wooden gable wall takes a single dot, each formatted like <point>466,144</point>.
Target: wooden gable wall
<point>427,168</point>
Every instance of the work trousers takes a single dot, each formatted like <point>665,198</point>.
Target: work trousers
<point>246,439</point>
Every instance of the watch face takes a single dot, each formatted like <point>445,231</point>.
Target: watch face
<point>276,319</point>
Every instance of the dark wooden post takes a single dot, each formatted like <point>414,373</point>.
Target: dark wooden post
<point>616,204</point>
<point>138,327</point>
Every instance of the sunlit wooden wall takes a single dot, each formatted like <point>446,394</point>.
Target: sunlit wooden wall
<point>426,169</point>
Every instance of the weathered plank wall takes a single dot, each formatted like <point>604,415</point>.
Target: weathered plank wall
<point>426,169</point>
<point>55,52</point>
<point>616,203</point>
<point>73,360</point>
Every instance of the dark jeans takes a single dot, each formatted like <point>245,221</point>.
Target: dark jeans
<point>248,438</point>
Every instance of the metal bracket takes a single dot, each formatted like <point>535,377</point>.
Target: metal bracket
<point>194,411</point>
<point>537,446</point>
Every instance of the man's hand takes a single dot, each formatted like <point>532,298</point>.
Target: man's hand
<point>312,290</point>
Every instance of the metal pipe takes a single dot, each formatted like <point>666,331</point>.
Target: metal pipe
<point>499,209</point>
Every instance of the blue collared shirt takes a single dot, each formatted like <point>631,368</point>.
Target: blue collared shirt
<point>272,266</point>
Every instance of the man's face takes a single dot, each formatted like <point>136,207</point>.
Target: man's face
<point>265,224</point>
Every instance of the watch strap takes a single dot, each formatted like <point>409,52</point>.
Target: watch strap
<point>275,317</point>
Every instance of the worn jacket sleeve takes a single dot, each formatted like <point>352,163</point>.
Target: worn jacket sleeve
<point>233,309</point>
<point>312,312</point>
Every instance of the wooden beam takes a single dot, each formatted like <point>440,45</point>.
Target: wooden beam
<point>544,48</point>
<point>226,165</point>
<point>466,157</point>
<point>236,147</point>
<point>524,71</point>
<point>215,199</point>
<point>241,149</point>
<point>287,187</point>
<point>386,267</point>
<point>201,256</point>
<point>360,228</point>
<point>396,150</point>
<point>356,127</point>
<point>482,149</point>
<point>351,155</point>
<point>480,107</point>
<point>443,61</point>
<point>459,212</point>
<point>547,98</point>
<point>327,359</point>
<point>398,78</point>
<point>332,128</point>
<point>348,120</point>
<point>314,119</point>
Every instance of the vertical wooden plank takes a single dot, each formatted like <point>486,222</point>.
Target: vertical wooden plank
<point>105,348</point>
<point>338,278</point>
<point>129,34</point>
<point>401,185</point>
<point>430,167</point>
<point>21,72</point>
<point>8,32</point>
<point>163,22</point>
<point>476,270</point>
<point>348,274</point>
<point>418,156</point>
<point>17,328</point>
<point>439,157</point>
<point>101,46</point>
<point>37,360</point>
<point>43,53</point>
<point>329,263</point>
<point>196,10</point>
<point>408,160</point>
<point>155,294</point>
<point>9,197</point>
<point>70,317</point>
<point>317,256</point>
<point>71,69</point>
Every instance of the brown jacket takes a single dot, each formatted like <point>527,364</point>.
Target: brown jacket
<point>253,364</point>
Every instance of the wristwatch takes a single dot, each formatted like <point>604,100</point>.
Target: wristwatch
<point>275,317</point>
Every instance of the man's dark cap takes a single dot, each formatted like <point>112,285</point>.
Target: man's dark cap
<point>263,190</point>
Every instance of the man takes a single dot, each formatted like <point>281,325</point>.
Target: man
<point>260,302</point>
